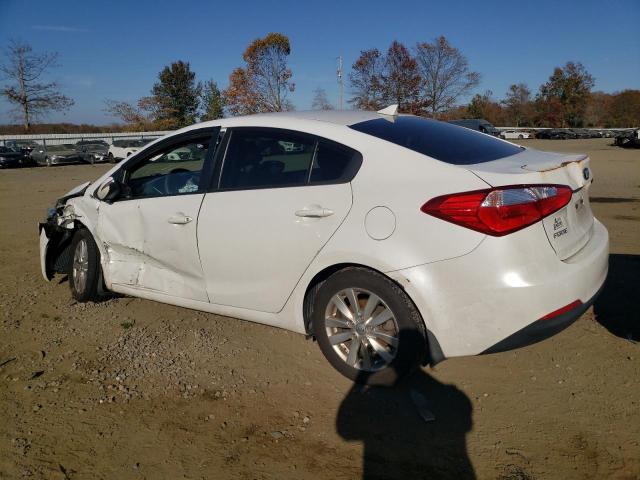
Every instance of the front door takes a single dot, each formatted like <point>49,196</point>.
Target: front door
<point>150,232</point>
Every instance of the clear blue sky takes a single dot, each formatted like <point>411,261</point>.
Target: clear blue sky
<point>115,49</point>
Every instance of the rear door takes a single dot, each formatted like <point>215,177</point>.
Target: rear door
<point>280,196</point>
<point>568,229</point>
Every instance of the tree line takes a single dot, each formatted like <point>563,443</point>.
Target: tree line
<point>427,79</point>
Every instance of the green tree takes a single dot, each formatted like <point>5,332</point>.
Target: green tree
<point>262,85</point>
<point>176,96</point>
<point>212,101</point>
<point>564,97</point>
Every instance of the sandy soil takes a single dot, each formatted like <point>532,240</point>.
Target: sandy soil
<point>135,389</point>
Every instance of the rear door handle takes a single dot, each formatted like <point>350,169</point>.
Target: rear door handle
<point>315,212</point>
<point>179,219</point>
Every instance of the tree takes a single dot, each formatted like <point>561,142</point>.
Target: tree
<point>33,98</point>
<point>401,80</point>
<point>176,96</point>
<point>366,81</point>
<point>445,75</point>
<point>212,101</point>
<point>263,84</point>
<point>518,105</point>
<point>566,95</point>
<point>320,100</point>
<point>378,81</point>
<point>625,109</point>
<point>138,116</point>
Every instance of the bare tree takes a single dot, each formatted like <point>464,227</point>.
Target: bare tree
<point>138,116</point>
<point>32,97</point>
<point>445,75</point>
<point>320,100</point>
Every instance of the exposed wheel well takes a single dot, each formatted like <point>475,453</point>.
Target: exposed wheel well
<point>434,352</point>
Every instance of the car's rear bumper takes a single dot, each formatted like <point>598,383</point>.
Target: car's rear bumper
<point>471,304</point>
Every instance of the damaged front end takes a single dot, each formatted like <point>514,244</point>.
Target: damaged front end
<point>56,234</point>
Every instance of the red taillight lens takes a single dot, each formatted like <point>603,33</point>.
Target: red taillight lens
<point>499,211</point>
<point>560,311</point>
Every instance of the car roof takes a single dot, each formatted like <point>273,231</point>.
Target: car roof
<point>335,117</point>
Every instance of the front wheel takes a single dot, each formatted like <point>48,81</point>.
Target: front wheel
<point>367,327</point>
<point>84,276</point>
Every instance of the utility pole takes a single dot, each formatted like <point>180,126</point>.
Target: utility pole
<point>340,85</point>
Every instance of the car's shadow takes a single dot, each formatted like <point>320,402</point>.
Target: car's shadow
<point>618,306</point>
<point>399,440</point>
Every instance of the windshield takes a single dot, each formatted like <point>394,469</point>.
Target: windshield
<point>60,148</point>
<point>442,141</point>
<point>6,150</point>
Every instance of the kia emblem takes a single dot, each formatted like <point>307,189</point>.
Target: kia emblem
<point>585,173</point>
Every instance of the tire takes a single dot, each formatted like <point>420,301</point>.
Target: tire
<point>386,352</point>
<point>520,137</point>
<point>84,271</point>
<point>48,162</point>
<point>110,158</point>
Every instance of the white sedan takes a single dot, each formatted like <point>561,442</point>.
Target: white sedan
<point>393,240</point>
<point>512,134</point>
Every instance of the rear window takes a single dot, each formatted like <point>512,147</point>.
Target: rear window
<point>442,141</point>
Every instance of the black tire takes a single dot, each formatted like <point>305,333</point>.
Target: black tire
<point>520,137</point>
<point>411,347</point>
<point>110,158</point>
<point>89,289</point>
<point>47,162</point>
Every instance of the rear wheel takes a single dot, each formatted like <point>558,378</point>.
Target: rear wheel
<point>110,158</point>
<point>84,276</point>
<point>367,327</point>
<point>48,161</point>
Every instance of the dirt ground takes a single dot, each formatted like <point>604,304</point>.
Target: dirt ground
<point>134,389</point>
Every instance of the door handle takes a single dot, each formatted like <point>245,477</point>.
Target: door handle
<point>179,219</point>
<point>315,212</point>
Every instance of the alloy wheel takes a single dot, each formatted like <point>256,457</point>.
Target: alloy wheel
<point>80,265</point>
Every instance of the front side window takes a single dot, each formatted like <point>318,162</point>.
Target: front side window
<point>266,158</point>
<point>173,171</point>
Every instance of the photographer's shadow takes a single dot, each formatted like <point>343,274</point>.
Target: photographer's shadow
<point>618,306</point>
<point>398,441</point>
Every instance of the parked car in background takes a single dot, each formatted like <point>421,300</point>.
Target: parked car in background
<point>464,244</point>
<point>555,134</point>
<point>479,124</point>
<point>509,134</point>
<point>26,146</point>
<point>57,155</point>
<point>121,149</point>
<point>9,158</point>
<point>93,152</point>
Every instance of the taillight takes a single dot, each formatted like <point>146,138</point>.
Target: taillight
<point>502,210</point>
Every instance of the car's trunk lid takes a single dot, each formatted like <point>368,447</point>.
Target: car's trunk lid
<point>568,229</point>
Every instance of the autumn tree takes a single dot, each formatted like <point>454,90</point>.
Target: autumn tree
<point>401,80</point>
<point>625,109</point>
<point>176,96</point>
<point>212,101</point>
<point>518,105</point>
<point>32,96</point>
<point>445,73</point>
<point>138,116</point>
<point>263,84</point>
<point>320,100</point>
<point>380,80</point>
<point>563,99</point>
<point>366,79</point>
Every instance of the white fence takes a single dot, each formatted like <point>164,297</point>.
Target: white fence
<point>59,138</point>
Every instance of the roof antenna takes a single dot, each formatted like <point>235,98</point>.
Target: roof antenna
<point>391,110</point>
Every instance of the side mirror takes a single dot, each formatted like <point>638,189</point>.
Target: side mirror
<point>108,191</point>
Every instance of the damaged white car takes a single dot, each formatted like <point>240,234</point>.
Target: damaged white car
<point>393,240</point>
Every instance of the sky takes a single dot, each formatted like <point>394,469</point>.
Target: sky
<point>115,49</point>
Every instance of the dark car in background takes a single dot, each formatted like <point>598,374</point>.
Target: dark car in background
<point>57,155</point>
<point>9,157</point>
<point>479,124</point>
<point>555,134</point>
<point>94,151</point>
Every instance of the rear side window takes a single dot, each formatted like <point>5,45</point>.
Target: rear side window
<point>442,141</point>
<point>271,158</point>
